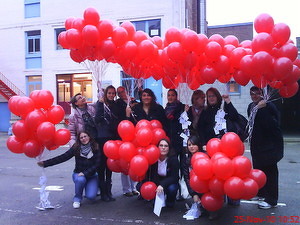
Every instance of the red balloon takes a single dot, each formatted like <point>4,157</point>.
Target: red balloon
<point>25,105</point>
<point>90,35</point>
<point>281,33</point>
<point>139,36</point>
<point>198,185</point>
<point>203,168</point>
<point>202,42</point>
<point>231,39</point>
<point>189,40</point>
<point>129,27</point>
<point>213,146</point>
<point>158,134</point>
<point>20,130</point>
<point>259,176</point>
<point>148,190</point>
<point>283,66</point>
<point>227,50</point>
<point>217,155</point>
<point>152,154</point>
<point>213,50</point>
<point>176,52</point>
<point>55,114</point>
<point>231,144</point>
<point>217,38</point>
<point>129,49</point>
<point>78,23</point>
<point>74,38</point>
<point>262,42</point>
<point>251,188</point>
<point>77,55</point>
<point>13,104</point>
<point>34,119</point>
<point>45,131</point>
<point>14,145</point>
<point>111,149</point>
<point>236,56</point>
<point>135,177</point>
<point>241,77</point>
<point>173,34</point>
<point>105,28</point>
<point>242,166</point>
<point>234,187</point>
<point>211,202</point>
<point>138,165</point>
<point>124,166</point>
<point>42,98</point>
<point>120,36</point>
<point>198,155</point>
<point>288,50</point>
<point>156,124</point>
<point>127,150</point>
<point>142,124</point>
<point>223,168</point>
<point>62,40</point>
<point>216,186</point>
<point>264,23</point>
<point>144,136</point>
<point>91,16</point>
<point>222,65</point>
<point>262,62</point>
<point>32,148</point>
<point>69,23</point>
<point>113,165</point>
<point>126,130</point>
<point>209,74</point>
<point>62,137</point>
<point>293,77</point>
<point>145,49</point>
<point>289,90</point>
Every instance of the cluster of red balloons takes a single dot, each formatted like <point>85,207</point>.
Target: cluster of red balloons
<point>224,171</point>
<point>36,130</point>
<point>184,56</point>
<point>137,150</point>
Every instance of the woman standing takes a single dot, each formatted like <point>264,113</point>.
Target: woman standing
<point>107,120</point>
<point>87,159</point>
<point>147,109</point>
<point>165,173</point>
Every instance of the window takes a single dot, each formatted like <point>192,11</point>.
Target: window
<point>33,49</point>
<point>151,27</point>
<point>233,88</point>
<point>32,8</point>
<point>33,83</point>
<point>57,32</point>
<point>71,84</point>
<point>298,45</point>
<point>131,84</point>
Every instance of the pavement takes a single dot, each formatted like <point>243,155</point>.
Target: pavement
<point>19,196</point>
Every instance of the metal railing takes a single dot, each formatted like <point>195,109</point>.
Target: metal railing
<point>10,85</point>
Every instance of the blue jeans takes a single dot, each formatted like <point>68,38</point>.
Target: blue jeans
<point>90,185</point>
<point>171,193</point>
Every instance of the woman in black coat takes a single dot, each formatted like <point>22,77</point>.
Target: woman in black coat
<point>147,109</point>
<point>107,119</point>
<point>266,145</point>
<point>165,173</point>
<point>208,126</point>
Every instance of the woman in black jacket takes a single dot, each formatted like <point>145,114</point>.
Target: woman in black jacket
<point>107,120</point>
<point>87,160</point>
<point>165,173</point>
<point>147,109</point>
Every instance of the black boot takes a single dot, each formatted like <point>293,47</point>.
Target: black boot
<point>109,194</point>
<point>103,192</point>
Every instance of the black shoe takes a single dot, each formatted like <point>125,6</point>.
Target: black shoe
<point>128,194</point>
<point>105,198</point>
<point>135,192</point>
<point>111,199</point>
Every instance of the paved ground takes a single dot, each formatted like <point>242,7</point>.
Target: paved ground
<point>19,177</point>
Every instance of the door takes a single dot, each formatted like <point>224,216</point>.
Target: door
<point>5,117</point>
<point>156,87</point>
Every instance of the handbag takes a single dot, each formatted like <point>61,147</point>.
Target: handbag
<point>239,127</point>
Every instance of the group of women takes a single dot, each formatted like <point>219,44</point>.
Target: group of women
<point>92,125</point>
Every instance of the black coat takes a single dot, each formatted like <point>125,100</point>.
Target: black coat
<point>156,112</point>
<point>107,120</point>
<point>185,169</point>
<point>121,104</point>
<point>266,143</point>
<point>207,122</point>
<point>172,176</point>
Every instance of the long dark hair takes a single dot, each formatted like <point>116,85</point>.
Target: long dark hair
<point>195,140</point>
<point>94,144</point>
<point>106,101</point>
<point>151,93</point>
<point>217,94</point>
<point>171,150</point>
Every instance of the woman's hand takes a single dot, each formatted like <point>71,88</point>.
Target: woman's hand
<point>226,98</point>
<point>81,174</point>
<point>128,111</point>
<point>159,189</point>
<point>41,164</point>
<point>186,108</point>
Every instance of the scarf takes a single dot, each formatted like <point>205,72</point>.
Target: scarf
<point>171,108</point>
<point>86,151</point>
<point>196,115</point>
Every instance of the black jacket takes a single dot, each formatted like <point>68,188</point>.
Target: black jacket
<point>107,120</point>
<point>266,143</point>
<point>185,169</point>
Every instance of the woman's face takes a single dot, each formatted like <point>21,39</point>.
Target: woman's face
<point>84,138</point>
<point>146,98</point>
<point>163,148</point>
<point>192,148</point>
<point>211,98</point>
<point>172,97</point>
<point>111,94</point>
<point>80,100</point>
<point>199,101</point>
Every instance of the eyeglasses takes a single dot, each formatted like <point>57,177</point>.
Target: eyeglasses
<point>79,97</point>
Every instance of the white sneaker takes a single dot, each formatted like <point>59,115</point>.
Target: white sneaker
<point>76,205</point>
<point>265,205</point>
